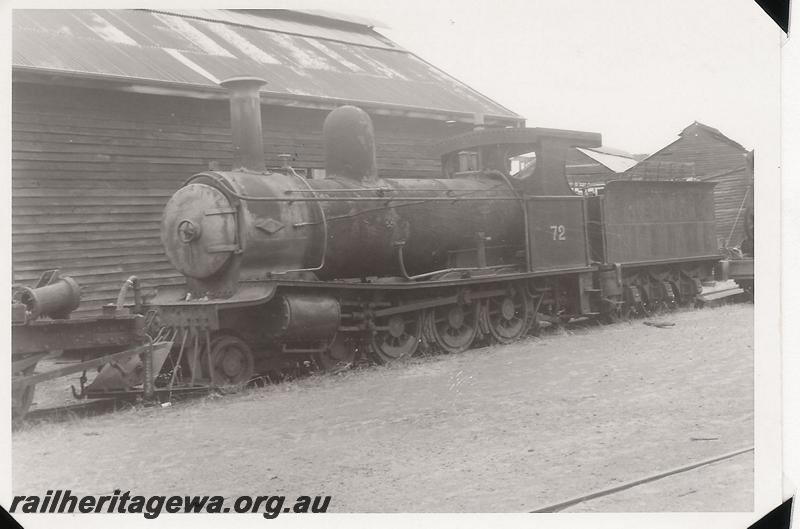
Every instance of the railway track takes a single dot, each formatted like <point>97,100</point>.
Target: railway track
<point>571,502</point>
<point>592,422</point>
<point>126,401</point>
<point>103,406</point>
<point>69,412</point>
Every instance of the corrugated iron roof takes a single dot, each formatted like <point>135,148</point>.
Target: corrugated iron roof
<point>344,17</point>
<point>689,130</point>
<point>714,132</point>
<point>261,19</point>
<point>200,48</point>
<point>615,162</point>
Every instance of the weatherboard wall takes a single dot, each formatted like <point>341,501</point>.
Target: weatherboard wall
<point>92,170</point>
<point>714,155</point>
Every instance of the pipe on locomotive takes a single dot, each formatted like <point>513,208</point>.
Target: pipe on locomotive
<point>248,142</point>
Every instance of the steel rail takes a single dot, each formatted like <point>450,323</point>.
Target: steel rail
<point>627,485</point>
<point>69,369</point>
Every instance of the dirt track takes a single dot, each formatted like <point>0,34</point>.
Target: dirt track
<point>496,429</point>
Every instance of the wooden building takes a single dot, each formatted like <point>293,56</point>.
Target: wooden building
<point>704,153</point>
<point>113,110</point>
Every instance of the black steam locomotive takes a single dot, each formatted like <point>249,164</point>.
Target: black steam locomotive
<point>282,269</point>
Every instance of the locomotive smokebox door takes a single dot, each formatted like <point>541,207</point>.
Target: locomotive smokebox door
<point>198,230</point>
<point>557,232</point>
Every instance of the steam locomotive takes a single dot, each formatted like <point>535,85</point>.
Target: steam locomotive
<point>282,269</point>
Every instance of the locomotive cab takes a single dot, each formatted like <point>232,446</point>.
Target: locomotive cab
<point>497,152</point>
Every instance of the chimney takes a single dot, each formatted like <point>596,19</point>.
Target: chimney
<point>248,143</point>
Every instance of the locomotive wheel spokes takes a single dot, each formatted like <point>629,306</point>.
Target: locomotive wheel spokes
<point>507,317</point>
<point>396,337</point>
<point>340,355</point>
<point>535,303</point>
<point>453,328</point>
<point>231,363</point>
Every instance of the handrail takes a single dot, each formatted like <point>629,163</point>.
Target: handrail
<point>401,262</point>
<point>324,231</point>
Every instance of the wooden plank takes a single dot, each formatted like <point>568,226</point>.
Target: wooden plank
<point>94,235</point>
<point>84,209</point>
<point>64,255</point>
<point>121,190</point>
<point>84,201</point>
<point>112,244</point>
<point>82,228</point>
<point>149,277</point>
<point>93,136</point>
<point>119,263</point>
<point>86,158</point>
<point>84,218</point>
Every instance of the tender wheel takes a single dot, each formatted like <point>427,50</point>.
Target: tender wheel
<point>658,306</point>
<point>668,298</point>
<point>679,295</point>
<point>619,312</point>
<point>453,328</point>
<point>22,399</point>
<point>396,337</point>
<point>232,362</point>
<point>507,317</point>
<point>340,355</point>
<point>645,307</point>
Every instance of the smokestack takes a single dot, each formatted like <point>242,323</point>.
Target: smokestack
<point>350,145</point>
<point>248,143</point>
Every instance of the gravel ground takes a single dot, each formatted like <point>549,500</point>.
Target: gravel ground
<point>498,429</point>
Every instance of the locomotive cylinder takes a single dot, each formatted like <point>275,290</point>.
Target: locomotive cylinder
<point>305,316</point>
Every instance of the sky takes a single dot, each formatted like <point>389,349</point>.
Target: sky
<point>637,72</point>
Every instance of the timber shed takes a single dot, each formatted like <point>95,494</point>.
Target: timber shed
<point>704,153</point>
<point>114,109</point>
